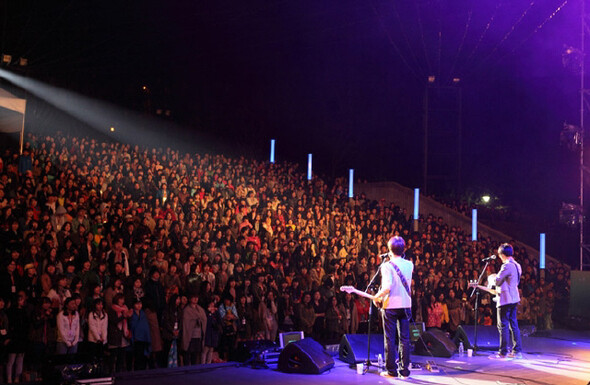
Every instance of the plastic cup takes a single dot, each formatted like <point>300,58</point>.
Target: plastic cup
<point>469,352</point>
<point>360,368</point>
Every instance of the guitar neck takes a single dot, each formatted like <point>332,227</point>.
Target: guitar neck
<point>352,290</point>
<point>485,288</point>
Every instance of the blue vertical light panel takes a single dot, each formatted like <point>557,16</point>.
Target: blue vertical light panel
<point>474,225</point>
<point>542,251</point>
<point>272,151</point>
<point>308,166</point>
<point>350,183</point>
<point>416,203</point>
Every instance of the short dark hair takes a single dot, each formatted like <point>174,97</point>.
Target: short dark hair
<point>397,245</point>
<point>506,249</point>
<point>67,301</point>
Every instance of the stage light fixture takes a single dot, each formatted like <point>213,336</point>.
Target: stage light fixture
<point>6,59</point>
<point>570,136</point>
<point>570,214</point>
<point>112,129</point>
<point>23,62</point>
<point>486,199</point>
<point>431,79</point>
<point>572,58</point>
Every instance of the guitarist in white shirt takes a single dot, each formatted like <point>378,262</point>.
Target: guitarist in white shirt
<point>396,278</point>
<point>507,281</point>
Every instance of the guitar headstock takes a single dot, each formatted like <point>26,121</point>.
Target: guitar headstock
<point>348,289</point>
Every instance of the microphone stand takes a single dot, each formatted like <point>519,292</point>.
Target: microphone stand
<point>475,308</point>
<point>368,362</point>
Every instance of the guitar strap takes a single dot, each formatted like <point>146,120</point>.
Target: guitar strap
<point>517,270</point>
<point>402,278</point>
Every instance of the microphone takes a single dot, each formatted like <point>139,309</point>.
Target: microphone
<point>490,258</point>
<point>383,256</point>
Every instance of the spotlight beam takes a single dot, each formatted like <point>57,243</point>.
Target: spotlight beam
<point>97,114</point>
<point>131,126</point>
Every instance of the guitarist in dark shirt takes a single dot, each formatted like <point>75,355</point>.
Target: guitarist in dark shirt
<point>507,281</point>
<point>507,298</point>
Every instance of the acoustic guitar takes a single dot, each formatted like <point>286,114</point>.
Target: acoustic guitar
<point>494,292</point>
<point>352,290</point>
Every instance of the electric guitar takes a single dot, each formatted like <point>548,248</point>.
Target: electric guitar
<point>352,290</point>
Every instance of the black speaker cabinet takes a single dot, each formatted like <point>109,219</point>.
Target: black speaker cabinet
<point>305,356</point>
<point>488,337</point>
<point>435,342</point>
<point>353,347</point>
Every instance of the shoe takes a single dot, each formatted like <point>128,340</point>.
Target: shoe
<point>403,376</point>
<point>499,356</point>
<point>388,374</point>
<point>516,356</point>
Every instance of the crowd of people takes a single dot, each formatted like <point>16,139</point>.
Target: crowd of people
<point>155,258</point>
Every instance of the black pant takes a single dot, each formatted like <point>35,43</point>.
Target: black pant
<point>508,324</point>
<point>227,345</point>
<point>396,325</point>
<point>117,356</point>
<point>192,356</point>
<point>163,359</point>
<point>96,349</point>
<point>139,357</point>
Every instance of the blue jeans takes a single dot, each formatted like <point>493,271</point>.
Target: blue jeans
<point>62,348</point>
<point>507,323</point>
<point>396,325</point>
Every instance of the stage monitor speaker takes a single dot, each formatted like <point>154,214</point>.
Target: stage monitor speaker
<point>488,337</point>
<point>435,342</point>
<point>353,347</point>
<point>305,356</point>
<point>416,330</point>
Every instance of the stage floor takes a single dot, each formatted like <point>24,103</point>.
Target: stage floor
<point>561,358</point>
